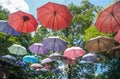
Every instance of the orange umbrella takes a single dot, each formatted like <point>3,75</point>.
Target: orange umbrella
<point>54,16</point>
<point>108,20</point>
<point>22,21</point>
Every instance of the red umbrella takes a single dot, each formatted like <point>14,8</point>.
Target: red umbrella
<point>73,52</point>
<point>108,20</point>
<point>117,37</point>
<point>54,16</point>
<point>22,22</point>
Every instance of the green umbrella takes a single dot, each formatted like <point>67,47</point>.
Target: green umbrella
<point>17,49</point>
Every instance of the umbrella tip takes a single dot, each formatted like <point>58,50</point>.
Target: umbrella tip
<point>26,18</point>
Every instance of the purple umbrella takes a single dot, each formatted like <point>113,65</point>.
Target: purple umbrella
<point>54,43</point>
<point>90,57</point>
<point>38,48</point>
<point>6,28</point>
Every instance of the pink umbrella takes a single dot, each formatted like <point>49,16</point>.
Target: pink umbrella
<point>73,52</point>
<point>36,66</point>
<point>117,37</point>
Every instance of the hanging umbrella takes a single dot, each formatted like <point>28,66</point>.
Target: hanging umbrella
<point>114,52</point>
<point>90,57</point>
<point>70,61</point>
<point>41,71</point>
<point>108,20</point>
<point>54,16</point>
<point>8,57</point>
<point>6,28</point>
<point>30,59</point>
<point>73,52</point>
<point>38,48</point>
<point>100,44</point>
<point>54,43</point>
<point>22,22</point>
<point>20,63</point>
<point>117,37</point>
<point>47,60</point>
<point>17,49</point>
<point>56,56</point>
<point>36,66</point>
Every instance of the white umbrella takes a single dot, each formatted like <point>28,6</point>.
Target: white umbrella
<point>17,49</point>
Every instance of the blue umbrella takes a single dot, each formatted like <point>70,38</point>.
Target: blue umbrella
<point>30,59</point>
<point>54,43</point>
<point>90,58</point>
<point>6,28</point>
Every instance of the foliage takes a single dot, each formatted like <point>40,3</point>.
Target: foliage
<point>92,32</point>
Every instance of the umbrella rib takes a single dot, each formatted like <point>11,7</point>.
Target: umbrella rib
<point>104,22</point>
<point>116,20</point>
<point>105,45</point>
<point>33,24</point>
<point>15,19</point>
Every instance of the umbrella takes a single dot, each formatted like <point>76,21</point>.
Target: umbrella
<point>115,51</point>
<point>70,61</point>
<point>38,48</point>
<point>90,57</point>
<point>20,63</point>
<point>54,43</point>
<point>47,60</point>
<point>117,37</point>
<point>17,49</point>
<point>41,70</point>
<point>73,52</point>
<point>56,56</point>
<point>6,28</point>
<point>30,59</point>
<point>22,21</point>
<point>9,57</point>
<point>36,66</point>
<point>54,16</point>
<point>100,44</point>
<point>108,20</point>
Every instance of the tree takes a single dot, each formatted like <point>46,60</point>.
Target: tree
<point>84,16</point>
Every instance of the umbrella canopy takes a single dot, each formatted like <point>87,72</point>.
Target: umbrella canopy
<point>54,16</point>
<point>9,57</point>
<point>73,52</point>
<point>47,60</point>
<point>70,61</point>
<point>54,44</point>
<point>6,28</point>
<point>22,22</point>
<point>115,51</point>
<point>117,37</point>
<point>56,56</point>
<point>100,44</point>
<point>17,49</point>
<point>20,63</point>
<point>90,57</point>
<point>108,20</point>
<point>30,59</point>
<point>38,48</point>
<point>36,66</point>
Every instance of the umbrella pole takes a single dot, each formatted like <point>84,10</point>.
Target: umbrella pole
<point>69,72</point>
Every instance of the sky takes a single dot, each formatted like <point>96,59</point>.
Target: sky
<point>31,6</point>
